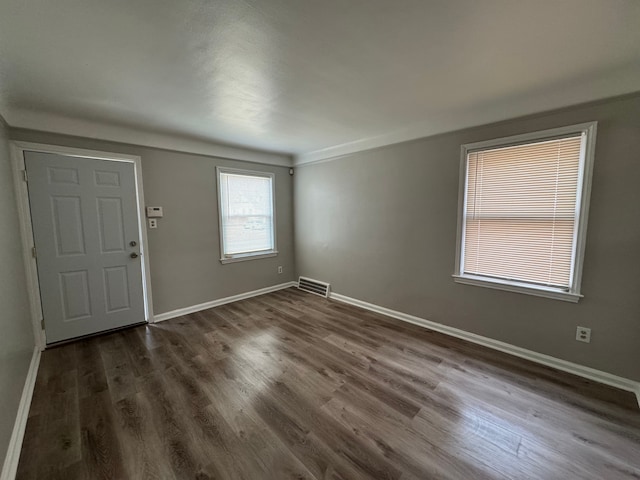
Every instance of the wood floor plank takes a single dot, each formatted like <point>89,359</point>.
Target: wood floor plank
<point>293,410</point>
<point>173,432</point>
<point>419,454</point>
<point>30,458</point>
<point>142,451</point>
<point>234,397</point>
<point>92,378</point>
<point>101,454</point>
<point>291,385</point>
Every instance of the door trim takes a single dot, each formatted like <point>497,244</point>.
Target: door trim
<point>26,232</point>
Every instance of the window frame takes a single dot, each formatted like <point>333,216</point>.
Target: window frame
<point>240,257</point>
<point>587,154</point>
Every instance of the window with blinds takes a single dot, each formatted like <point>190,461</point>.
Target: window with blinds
<point>521,212</point>
<point>246,210</point>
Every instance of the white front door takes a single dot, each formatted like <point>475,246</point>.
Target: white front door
<point>87,237</point>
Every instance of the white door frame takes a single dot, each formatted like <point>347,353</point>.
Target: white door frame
<point>26,232</point>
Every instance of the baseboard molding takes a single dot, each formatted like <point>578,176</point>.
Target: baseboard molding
<point>10,466</point>
<point>564,365</point>
<point>215,303</point>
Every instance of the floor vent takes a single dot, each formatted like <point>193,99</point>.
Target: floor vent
<point>313,286</point>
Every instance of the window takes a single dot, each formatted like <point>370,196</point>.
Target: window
<point>523,212</point>
<point>247,215</point>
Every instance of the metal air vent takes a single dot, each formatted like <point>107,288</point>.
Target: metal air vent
<point>313,286</point>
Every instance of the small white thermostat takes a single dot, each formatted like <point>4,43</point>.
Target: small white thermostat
<point>154,212</point>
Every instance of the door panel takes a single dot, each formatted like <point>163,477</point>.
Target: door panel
<point>67,224</point>
<point>116,294</point>
<point>59,175</point>
<point>107,179</point>
<point>74,294</point>
<point>110,223</point>
<point>85,216</point>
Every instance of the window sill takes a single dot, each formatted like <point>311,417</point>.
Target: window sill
<point>517,287</point>
<point>241,257</point>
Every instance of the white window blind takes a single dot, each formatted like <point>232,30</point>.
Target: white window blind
<point>521,212</point>
<point>246,213</point>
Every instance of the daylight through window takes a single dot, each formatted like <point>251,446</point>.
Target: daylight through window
<point>246,214</point>
<point>522,212</point>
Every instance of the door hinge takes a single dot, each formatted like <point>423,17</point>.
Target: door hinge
<point>34,253</point>
<point>24,176</point>
<point>42,323</point>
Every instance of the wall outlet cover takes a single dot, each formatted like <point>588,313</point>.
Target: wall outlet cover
<point>583,334</point>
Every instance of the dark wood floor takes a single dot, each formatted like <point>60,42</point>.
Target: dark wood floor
<point>290,385</point>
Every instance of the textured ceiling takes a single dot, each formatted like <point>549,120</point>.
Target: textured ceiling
<point>311,78</point>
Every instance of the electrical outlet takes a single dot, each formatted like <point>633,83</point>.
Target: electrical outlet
<point>583,334</point>
<point>153,223</point>
<point>280,269</point>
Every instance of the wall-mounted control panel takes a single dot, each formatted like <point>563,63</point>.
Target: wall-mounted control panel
<point>154,212</point>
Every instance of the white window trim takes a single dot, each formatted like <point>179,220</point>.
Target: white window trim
<point>582,207</point>
<point>241,257</point>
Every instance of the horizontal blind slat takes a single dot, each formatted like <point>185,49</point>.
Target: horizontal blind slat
<point>520,211</point>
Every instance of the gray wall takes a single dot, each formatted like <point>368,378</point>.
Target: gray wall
<point>380,226</point>
<point>16,333</point>
<point>185,248</point>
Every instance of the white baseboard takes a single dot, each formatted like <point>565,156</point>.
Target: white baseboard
<point>215,303</point>
<point>15,444</point>
<point>565,366</point>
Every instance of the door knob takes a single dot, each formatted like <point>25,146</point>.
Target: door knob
<point>134,255</point>
<point>133,243</point>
